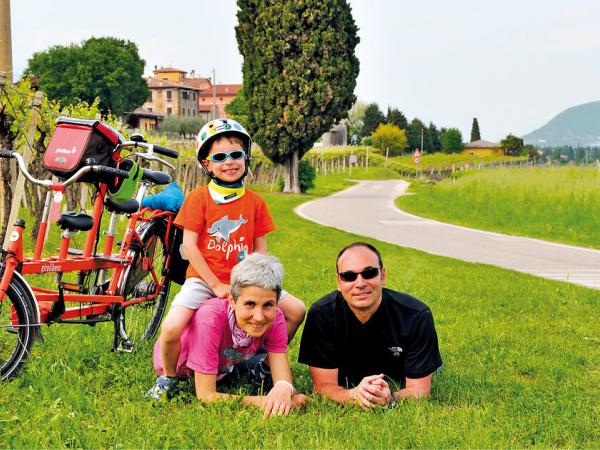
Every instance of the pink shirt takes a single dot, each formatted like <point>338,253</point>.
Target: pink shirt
<point>207,345</point>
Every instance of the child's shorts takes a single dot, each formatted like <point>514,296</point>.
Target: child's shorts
<point>194,292</point>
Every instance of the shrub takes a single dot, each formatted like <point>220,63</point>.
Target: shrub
<point>306,177</point>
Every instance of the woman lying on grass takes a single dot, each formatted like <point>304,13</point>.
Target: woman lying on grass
<point>225,333</point>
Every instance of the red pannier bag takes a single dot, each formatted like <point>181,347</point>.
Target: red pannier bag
<point>76,142</point>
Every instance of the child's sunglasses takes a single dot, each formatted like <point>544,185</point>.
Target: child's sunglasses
<point>222,156</point>
<point>367,274</point>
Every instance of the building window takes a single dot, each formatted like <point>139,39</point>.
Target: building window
<point>169,111</point>
<point>221,98</point>
<point>149,96</point>
<point>150,109</point>
<point>184,95</point>
<point>194,96</point>
<point>169,94</point>
<point>194,112</point>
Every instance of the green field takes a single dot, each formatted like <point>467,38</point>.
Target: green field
<point>560,203</point>
<point>521,357</point>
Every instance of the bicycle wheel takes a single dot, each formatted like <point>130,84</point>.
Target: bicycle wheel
<point>145,277</point>
<point>16,331</point>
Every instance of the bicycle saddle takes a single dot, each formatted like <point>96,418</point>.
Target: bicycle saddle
<point>156,176</point>
<point>127,207</point>
<point>70,220</point>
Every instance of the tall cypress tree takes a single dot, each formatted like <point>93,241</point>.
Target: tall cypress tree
<point>435,136</point>
<point>475,135</point>
<point>396,117</point>
<point>299,73</point>
<point>372,119</point>
<point>413,133</point>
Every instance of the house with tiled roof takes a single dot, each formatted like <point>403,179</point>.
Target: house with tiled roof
<point>223,95</point>
<point>173,93</point>
<point>170,95</point>
<point>142,119</point>
<point>483,148</point>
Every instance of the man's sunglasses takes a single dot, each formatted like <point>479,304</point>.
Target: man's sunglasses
<point>222,156</point>
<point>368,274</point>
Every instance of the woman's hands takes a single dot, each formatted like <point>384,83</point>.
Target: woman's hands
<point>279,400</point>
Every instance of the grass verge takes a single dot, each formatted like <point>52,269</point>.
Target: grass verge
<point>559,204</point>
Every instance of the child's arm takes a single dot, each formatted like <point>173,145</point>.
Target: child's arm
<point>260,244</point>
<point>193,254</point>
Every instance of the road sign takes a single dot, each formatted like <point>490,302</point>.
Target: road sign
<point>416,156</point>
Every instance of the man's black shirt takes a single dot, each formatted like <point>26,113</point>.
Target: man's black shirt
<point>399,340</point>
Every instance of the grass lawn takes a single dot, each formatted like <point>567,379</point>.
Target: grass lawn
<point>559,204</point>
<point>521,367</point>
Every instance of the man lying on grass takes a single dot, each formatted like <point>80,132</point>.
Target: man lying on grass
<point>360,337</point>
<point>225,333</point>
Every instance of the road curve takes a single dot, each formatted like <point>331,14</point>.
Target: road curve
<point>368,209</point>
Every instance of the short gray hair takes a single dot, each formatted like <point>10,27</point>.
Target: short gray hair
<point>264,271</point>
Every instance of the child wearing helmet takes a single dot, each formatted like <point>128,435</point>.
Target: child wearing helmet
<point>222,223</point>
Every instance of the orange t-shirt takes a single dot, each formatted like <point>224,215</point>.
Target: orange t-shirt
<point>226,231</point>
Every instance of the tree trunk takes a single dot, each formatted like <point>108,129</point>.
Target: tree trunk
<point>291,184</point>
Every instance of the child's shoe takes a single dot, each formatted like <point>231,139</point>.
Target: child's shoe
<point>163,385</point>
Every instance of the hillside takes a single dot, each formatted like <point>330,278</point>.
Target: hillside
<point>579,125</point>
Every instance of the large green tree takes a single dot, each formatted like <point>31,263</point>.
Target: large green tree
<point>372,118</point>
<point>475,134</point>
<point>237,109</point>
<point>435,136</point>
<point>388,136</point>
<point>107,68</point>
<point>512,145</point>
<point>355,119</point>
<point>452,141</point>
<point>299,71</point>
<point>413,133</point>
<point>396,117</point>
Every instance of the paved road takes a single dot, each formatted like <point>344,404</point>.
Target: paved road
<point>368,209</point>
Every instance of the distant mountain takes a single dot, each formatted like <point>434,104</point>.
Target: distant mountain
<point>579,125</point>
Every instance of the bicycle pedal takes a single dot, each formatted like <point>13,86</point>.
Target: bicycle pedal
<point>125,347</point>
<point>72,287</point>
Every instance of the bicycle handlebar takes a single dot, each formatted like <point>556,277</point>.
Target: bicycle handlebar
<point>166,151</point>
<point>109,171</point>
<point>151,148</point>
<point>101,170</point>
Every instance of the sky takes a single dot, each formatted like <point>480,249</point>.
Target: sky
<point>513,64</point>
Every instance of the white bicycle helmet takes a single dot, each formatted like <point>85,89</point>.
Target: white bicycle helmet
<point>219,127</point>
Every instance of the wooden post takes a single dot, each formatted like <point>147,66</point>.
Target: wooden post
<point>367,162</point>
<point>2,181</point>
<point>6,64</point>
<point>27,152</point>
